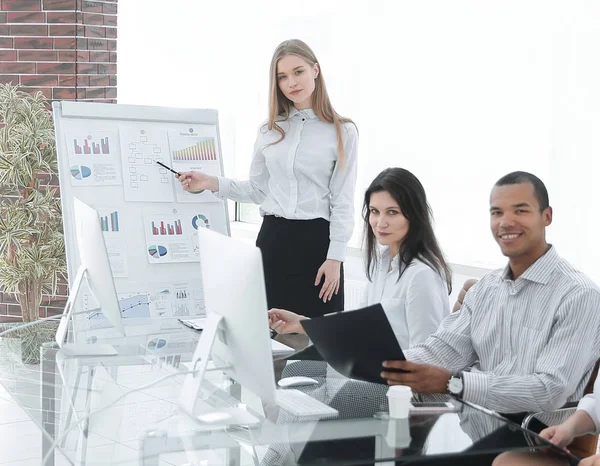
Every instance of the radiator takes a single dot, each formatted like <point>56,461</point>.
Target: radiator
<point>353,294</point>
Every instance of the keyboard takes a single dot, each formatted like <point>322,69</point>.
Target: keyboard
<point>302,405</point>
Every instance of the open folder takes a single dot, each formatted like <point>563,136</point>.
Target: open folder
<point>355,343</point>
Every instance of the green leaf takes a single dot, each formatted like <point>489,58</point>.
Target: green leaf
<point>31,230</point>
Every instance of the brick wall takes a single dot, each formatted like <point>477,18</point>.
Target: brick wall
<point>66,49</point>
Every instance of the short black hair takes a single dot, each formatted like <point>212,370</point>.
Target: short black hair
<point>539,188</point>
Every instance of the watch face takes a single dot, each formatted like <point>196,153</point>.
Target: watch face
<point>455,385</point>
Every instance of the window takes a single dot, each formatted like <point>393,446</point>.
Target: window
<point>247,213</point>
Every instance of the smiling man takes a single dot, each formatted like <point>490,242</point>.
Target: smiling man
<point>526,337</point>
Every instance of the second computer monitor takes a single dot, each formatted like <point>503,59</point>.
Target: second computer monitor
<point>94,259</point>
<point>234,288</point>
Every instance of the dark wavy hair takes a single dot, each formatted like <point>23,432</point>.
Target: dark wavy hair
<point>420,241</point>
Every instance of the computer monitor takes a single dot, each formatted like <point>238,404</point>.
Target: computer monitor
<point>95,268</point>
<point>234,293</point>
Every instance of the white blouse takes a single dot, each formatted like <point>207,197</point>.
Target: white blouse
<point>589,404</point>
<point>300,178</point>
<point>414,305</point>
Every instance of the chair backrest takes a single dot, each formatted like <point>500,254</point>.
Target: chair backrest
<point>587,445</point>
<point>589,388</point>
<point>463,291</point>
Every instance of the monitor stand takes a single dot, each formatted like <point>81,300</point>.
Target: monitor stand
<point>189,398</point>
<point>73,349</point>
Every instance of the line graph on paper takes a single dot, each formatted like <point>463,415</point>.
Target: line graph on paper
<point>135,310</point>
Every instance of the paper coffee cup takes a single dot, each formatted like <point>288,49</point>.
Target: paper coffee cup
<point>398,433</point>
<point>399,397</point>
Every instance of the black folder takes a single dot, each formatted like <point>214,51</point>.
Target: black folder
<point>355,343</point>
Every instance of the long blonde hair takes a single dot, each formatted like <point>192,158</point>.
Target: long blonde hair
<point>279,105</point>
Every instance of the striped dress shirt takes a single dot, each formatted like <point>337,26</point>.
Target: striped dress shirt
<point>531,342</point>
<point>300,177</point>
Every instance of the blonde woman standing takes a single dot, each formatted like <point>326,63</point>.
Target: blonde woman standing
<point>303,176</point>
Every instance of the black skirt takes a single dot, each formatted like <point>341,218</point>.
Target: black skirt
<point>292,252</point>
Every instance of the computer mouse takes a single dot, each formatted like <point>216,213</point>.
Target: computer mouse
<point>298,381</point>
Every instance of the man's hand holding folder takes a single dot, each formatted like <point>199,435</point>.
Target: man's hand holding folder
<point>422,378</point>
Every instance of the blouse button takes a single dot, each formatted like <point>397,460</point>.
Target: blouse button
<point>303,119</point>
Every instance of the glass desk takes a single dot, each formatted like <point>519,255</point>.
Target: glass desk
<point>123,410</point>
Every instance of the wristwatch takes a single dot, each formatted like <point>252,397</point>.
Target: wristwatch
<point>455,384</point>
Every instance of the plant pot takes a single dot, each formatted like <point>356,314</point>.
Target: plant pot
<point>30,339</point>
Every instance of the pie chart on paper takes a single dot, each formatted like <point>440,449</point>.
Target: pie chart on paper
<point>156,343</point>
<point>157,251</point>
<point>200,221</point>
<point>80,172</point>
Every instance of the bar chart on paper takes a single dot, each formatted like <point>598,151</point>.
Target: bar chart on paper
<point>91,146</point>
<point>93,157</point>
<point>201,150</point>
<point>166,229</point>
<point>110,222</point>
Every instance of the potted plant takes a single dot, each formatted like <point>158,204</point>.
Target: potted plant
<point>32,251</point>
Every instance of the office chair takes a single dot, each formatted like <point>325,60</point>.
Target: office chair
<point>461,295</point>
<point>585,445</point>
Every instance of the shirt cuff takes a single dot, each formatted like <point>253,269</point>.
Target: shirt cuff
<point>337,251</point>
<point>224,188</point>
<point>588,404</point>
<point>475,387</point>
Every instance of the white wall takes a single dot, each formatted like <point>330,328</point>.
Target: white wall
<point>458,92</point>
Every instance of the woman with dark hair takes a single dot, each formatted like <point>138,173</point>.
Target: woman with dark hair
<point>404,264</point>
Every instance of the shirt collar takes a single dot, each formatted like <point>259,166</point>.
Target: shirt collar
<point>540,271</point>
<point>385,259</point>
<point>307,113</point>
